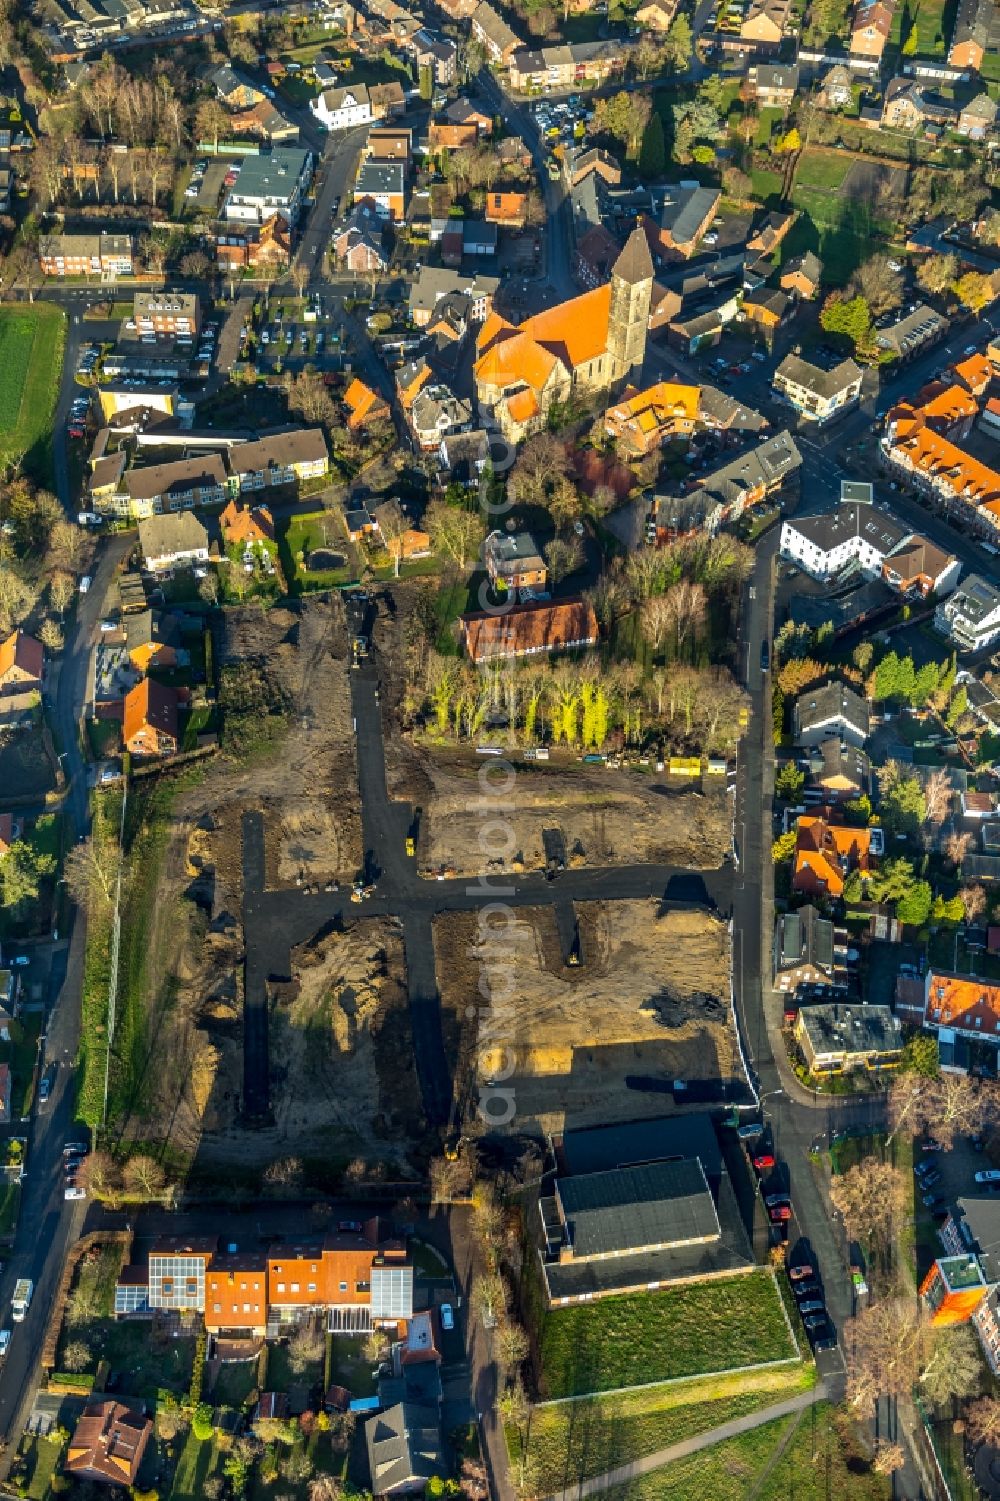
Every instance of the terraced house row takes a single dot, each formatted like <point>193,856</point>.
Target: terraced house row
<point>354,1277</point>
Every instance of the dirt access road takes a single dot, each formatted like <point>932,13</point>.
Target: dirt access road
<point>276,921</point>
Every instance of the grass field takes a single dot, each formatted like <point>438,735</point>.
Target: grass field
<point>32,340</point>
<point>765,185</point>
<point>822,169</point>
<point>812,1457</point>
<point>840,230</point>
<point>197,1461</point>
<point>767,122</point>
<point>685,1331</point>
<point>934,20</point>
<point>573,1440</point>
<point>303,535</point>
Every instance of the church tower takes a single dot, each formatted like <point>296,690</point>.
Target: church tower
<point>631,293</point>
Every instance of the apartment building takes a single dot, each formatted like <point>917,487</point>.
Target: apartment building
<point>279,459</point>
<point>178,485</point>
<point>274,184</point>
<point>494,35</point>
<point>816,393</point>
<point>971,1230</point>
<point>513,561</point>
<point>856,532</point>
<point>384,185</point>
<point>85,255</point>
<point>970,617</point>
<point>567,66</point>
<point>838,1038</point>
<point>685,215</point>
<point>175,313</point>
<point>963,1011</point>
<point>937,467</point>
<point>343,108</point>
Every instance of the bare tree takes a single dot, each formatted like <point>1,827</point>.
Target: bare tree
<point>953,1366</point>
<point>393,525</point>
<point>100,1175</point>
<point>982,1421</point>
<point>143,1174</point>
<point>510,1345</point>
<point>50,635</point>
<point>76,1356</point>
<point>937,796</point>
<point>871,1196</point>
<point>973,900</point>
<point>956,848</point>
<point>884,1344</point>
<point>61,591</point>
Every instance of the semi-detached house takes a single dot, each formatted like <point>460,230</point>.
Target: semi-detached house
<point>816,393</point>
<point>343,108</point>
<point>493,34</point>
<point>279,459</point>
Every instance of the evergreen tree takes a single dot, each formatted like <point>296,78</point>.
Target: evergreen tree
<point>652,153</point>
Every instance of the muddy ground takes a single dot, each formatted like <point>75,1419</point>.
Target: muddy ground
<point>307,789</point>
<point>650,997</point>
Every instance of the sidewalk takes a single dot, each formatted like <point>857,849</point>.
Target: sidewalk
<point>655,1461</point>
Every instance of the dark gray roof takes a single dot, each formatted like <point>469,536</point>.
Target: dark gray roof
<point>818,706</point>
<point>804,937</point>
<point>404,1444</point>
<point>979,1225</point>
<point>380,177</point>
<point>686,209</point>
<point>833,758</point>
<point>595,1149</point>
<point>911,330</point>
<point>842,1028</point>
<point>638,1208</point>
<point>852,519</point>
<point>768,464</point>
<point>730,1253</point>
<point>814,378</point>
<point>721,408</point>
<point>635,264</point>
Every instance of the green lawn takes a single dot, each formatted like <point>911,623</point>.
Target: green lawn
<point>840,230</point>
<point>453,599</point>
<point>767,121</point>
<point>234,1383</point>
<point>822,169</point>
<point>934,20</point>
<point>303,535</point>
<point>144,1360</point>
<point>684,1331</point>
<point>821,1462</point>
<point>765,185</point>
<point>349,1367</point>
<point>570,1441</point>
<point>39,1459</point>
<point>105,737</point>
<point>197,1461</point>
<point>32,340</point>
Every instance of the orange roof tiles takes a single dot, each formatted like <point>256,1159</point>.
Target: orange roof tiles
<point>523,405</point>
<point>967,477</point>
<point>21,654</point>
<point>657,406</point>
<point>825,852</point>
<point>571,334</point>
<point>364,404</point>
<point>516,360</point>
<point>970,1005</point>
<point>976,372</point>
<point>576,330</point>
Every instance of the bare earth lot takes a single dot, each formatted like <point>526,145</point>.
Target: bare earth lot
<point>650,997</point>
<point>604,817</point>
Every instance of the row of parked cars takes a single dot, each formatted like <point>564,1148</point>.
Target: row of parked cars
<point>802,1274</point>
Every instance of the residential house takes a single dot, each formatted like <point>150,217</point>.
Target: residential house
<point>358,244</point>
<point>165,542</point>
<point>802,275</point>
<point>817,393</point>
<point>343,108</point>
<point>464,456</point>
<point>839,771</point>
<point>825,854</point>
<point>646,419</point>
<point>22,661</point>
<point>242,525</point>
<point>509,210</point>
<point>260,246</point>
<point>513,561</point>
<point>458,10</point>
<point>384,185</point>
<point>266,123</point>
<point>464,112</point>
<point>764,24</point>
<point>970,617</point>
<point>770,232</point>
<point>405,1449</point>
<point>494,35</point>
<point>436,53</point>
<point>656,16</point>
<point>108,1444</point>
<point>871,26</point>
<point>432,283</point>
<point>364,405</point>
<point>953,1289</point>
<point>949,410</point>
<point>150,723</point>
<point>685,217</point>
<point>443,135</point>
<point>837,88</point>
<point>361,1284</point>
<point>773,85</point>
<point>590,344</point>
<point>390,144</point>
<point>975,373</point>
<point>567,66</point>
<point>593,161</point>
<point>411,542</point>
<point>977,119</point>
<point>961,1010</point>
<point>908,104</point>
<point>805,953</point>
<point>528,630</point>
<point>280,459</point>
<point>837,1038</point>
<point>271,184</point>
<point>833,710</point>
<point>767,309</point>
<point>410,379</point>
<point>596,252</point>
<point>912,331</point>
<point>919,568</point>
<point>436,411</point>
<point>973,35</point>
<point>724,494</point>
<point>234,90</point>
<point>387,100</point>
<point>105,255</point>
<point>175,313</point>
<point>236,1295</point>
<point>176,485</point>
<point>152,640</point>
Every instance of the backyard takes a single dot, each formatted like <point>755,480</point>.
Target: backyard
<point>685,1331</point>
<point>31,356</point>
<point>316,554</point>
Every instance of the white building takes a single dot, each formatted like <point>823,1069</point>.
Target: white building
<point>343,108</point>
<point>817,393</point>
<point>166,541</point>
<point>855,532</point>
<point>268,185</point>
<point>971,616</point>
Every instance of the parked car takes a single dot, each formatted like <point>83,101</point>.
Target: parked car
<point>780,1213</point>
<point>988,1175</point>
<point>930,1145</point>
<point>807,1289</point>
<point>74,1192</point>
<point>44,1089</point>
<point>803,1270</point>
<point>773,1200</point>
<point>762,1161</point>
<point>811,1306</point>
<point>447,1316</point>
<point>750,1130</point>
<point>931,1178</point>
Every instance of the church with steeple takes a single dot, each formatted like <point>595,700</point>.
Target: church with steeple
<point>591,346</point>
